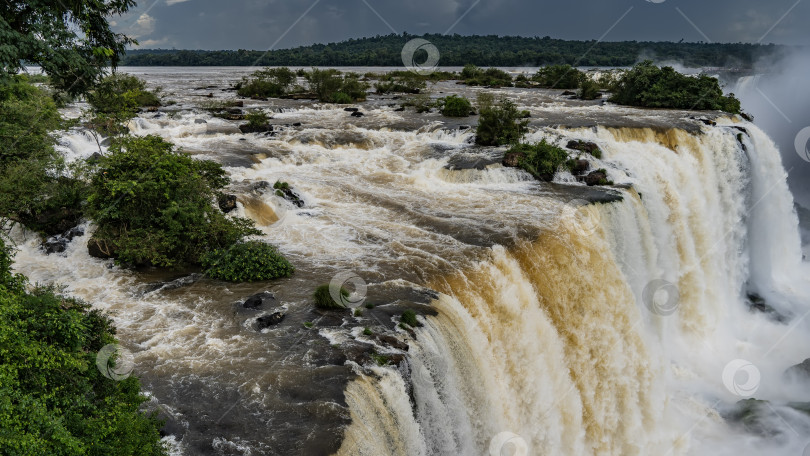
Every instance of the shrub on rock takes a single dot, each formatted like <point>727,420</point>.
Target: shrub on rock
<point>324,300</point>
<point>455,106</point>
<point>248,261</point>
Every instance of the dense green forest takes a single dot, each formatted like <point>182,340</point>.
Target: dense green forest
<point>457,50</point>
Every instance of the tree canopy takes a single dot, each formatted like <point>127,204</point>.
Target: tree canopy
<point>70,39</point>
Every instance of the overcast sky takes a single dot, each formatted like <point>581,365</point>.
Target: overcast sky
<point>277,24</point>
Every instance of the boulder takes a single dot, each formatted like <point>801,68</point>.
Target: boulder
<point>583,146</point>
<point>100,248</point>
<point>265,321</point>
<point>227,202</point>
<point>756,417</point>
<point>597,177</point>
<point>357,114</point>
<point>58,243</point>
<point>260,185</point>
<point>290,195</point>
<point>200,121</point>
<point>512,159</point>
<point>580,167</point>
<point>258,300</point>
<point>392,341</point>
<point>350,109</point>
<point>568,93</point>
<point>238,104</point>
<point>248,128</point>
<point>297,124</point>
<point>399,109</point>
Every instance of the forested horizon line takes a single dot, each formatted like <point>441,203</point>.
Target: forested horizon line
<point>459,50</point>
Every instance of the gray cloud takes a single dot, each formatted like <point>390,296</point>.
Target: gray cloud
<point>256,24</point>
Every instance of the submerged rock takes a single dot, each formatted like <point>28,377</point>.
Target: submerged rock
<point>757,304</point>
<point>265,321</point>
<point>357,114</point>
<point>59,243</point>
<point>756,417</point>
<point>248,128</point>
<point>582,146</point>
<point>258,300</point>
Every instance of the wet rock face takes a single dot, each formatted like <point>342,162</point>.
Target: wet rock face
<point>100,248</point>
<point>59,243</point>
<point>227,202</point>
<point>582,146</point>
<point>259,299</point>
<point>800,372</point>
<point>580,167</point>
<point>596,178</point>
<point>247,128</point>
<point>266,321</point>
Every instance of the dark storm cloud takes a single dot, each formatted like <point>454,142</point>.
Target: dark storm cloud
<point>256,24</point>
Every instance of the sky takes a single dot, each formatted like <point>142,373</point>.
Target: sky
<point>279,24</point>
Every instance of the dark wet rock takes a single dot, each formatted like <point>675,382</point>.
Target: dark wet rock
<point>290,195</point>
<point>568,93</point>
<point>512,159</point>
<point>399,109</point>
<point>100,248</point>
<point>582,146</point>
<point>757,304</point>
<point>597,177</point>
<point>357,114</point>
<point>260,185</point>
<point>708,122</point>
<point>52,221</point>
<point>351,109</point>
<point>94,158</point>
<point>200,121</point>
<point>210,95</point>
<point>580,167</point>
<point>463,127</point>
<point>59,243</point>
<point>266,321</point>
<point>259,299</point>
<point>297,124</point>
<point>391,341</point>
<point>756,417</point>
<point>226,202</point>
<point>248,128</point>
<point>800,372</point>
<point>233,111</point>
<point>237,103</point>
<point>242,139</point>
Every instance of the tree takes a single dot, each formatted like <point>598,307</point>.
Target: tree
<point>70,40</point>
<point>500,123</point>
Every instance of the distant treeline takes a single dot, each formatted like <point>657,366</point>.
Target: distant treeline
<point>457,50</point>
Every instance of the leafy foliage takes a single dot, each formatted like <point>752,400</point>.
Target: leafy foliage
<point>154,204</point>
<point>455,106</point>
<point>499,123</point>
<point>332,86</point>
<point>457,50</point>
<point>541,160</point>
<point>650,86</point>
<point>257,118</point>
<point>559,77</point>
<point>323,299</point>
<point>588,89</point>
<point>491,77</point>
<point>53,400</point>
<point>269,82</point>
<point>248,261</point>
<point>71,41</point>
<point>115,100</point>
<point>35,183</point>
<point>401,82</point>
<point>409,318</point>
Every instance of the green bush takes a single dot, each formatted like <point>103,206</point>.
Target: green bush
<point>327,84</point>
<point>409,318</point>
<point>499,123</point>
<point>559,77</point>
<point>650,86</point>
<point>588,90</point>
<point>269,82</point>
<point>38,189</point>
<point>53,398</point>
<point>120,92</point>
<point>541,160</point>
<point>341,98</point>
<point>400,81</point>
<point>154,205</point>
<point>248,261</point>
<point>455,106</point>
<point>491,77</point>
<point>323,299</point>
<point>257,118</point>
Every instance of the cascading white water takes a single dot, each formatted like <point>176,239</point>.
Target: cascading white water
<point>553,342</point>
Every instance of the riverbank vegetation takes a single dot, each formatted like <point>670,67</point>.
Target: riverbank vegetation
<point>457,50</point>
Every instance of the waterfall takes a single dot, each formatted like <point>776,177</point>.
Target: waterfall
<point>553,344</point>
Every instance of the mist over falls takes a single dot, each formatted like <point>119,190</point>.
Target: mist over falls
<point>538,334</point>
